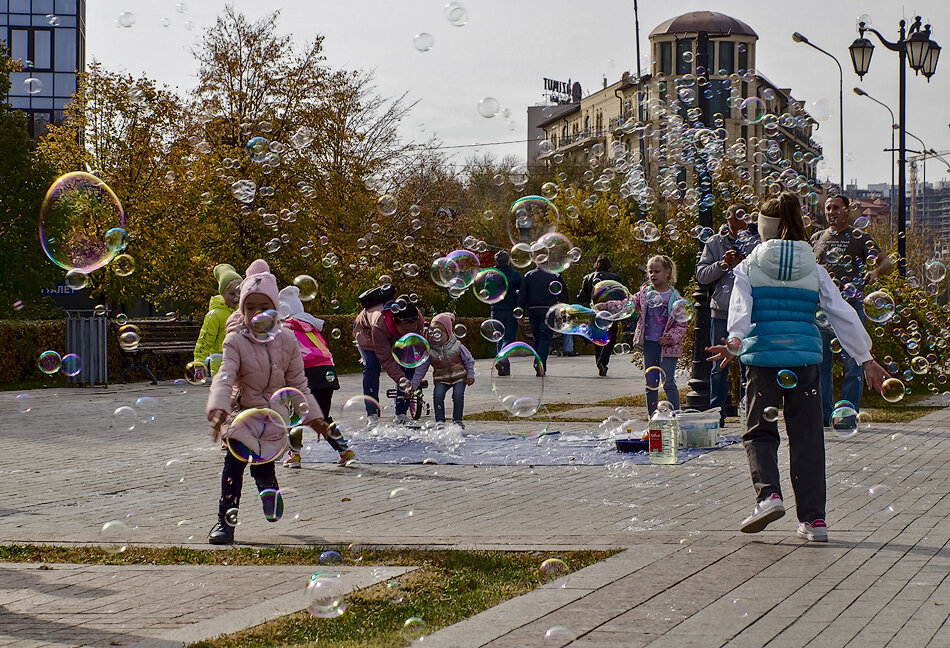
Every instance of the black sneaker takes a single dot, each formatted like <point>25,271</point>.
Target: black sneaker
<point>601,368</point>
<point>221,534</point>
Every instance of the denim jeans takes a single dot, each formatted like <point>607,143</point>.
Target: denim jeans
<point>652,352</point>
<point>852,382</point>
<point>439,391</point>
<point>371,371</point>
<point>542,334</point>
<point>567,343</point>
<point>507,318</point>
<point>719,395</point>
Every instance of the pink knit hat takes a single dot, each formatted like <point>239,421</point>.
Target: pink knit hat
<point>447,320</point>
<point>258,279</point>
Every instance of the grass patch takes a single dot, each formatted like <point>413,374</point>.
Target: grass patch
<point>449,586</point>
<point>895,414</point>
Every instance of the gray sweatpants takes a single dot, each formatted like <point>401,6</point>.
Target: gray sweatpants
<point>806,440</point>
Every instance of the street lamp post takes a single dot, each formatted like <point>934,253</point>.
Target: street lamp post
<point>915,48</point>
<point>798,38</point>
<point>894,126</point>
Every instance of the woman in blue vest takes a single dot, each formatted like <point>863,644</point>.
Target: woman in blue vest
<point>771,325</point>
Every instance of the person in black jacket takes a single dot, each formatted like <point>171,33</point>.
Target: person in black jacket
<point>584,297</point>
<point>503,311</point>
<point>539,291</point>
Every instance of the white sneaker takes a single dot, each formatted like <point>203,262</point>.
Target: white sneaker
<point>764,512</point>
<point>402,419</point>
<point>817,531</point>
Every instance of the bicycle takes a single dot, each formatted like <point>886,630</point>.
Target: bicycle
<point>417,402</point>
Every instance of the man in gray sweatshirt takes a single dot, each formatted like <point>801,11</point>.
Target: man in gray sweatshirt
<point>723,252</point>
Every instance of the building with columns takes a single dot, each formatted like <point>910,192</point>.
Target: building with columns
<point>624,111</point>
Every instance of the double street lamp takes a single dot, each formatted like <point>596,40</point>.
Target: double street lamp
<point>914,48</point>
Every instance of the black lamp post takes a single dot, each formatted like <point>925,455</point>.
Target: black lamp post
<point>916,49</point>
<point>799,38</point>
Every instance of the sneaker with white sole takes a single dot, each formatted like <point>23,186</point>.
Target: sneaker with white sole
<point>816,531</point>
<point>292,460</point>
<point>763,514</point>
<point>346,458</point>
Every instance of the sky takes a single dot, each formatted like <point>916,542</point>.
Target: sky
<point>508,46</point>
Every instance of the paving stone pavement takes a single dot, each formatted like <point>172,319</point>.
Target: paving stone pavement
<point>686,578</point>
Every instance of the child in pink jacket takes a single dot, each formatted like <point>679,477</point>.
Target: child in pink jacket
<point>260,357</point>
<point>658,333</point>
<point>317,365</point>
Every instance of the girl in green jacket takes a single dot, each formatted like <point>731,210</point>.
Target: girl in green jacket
<point>211,338</point>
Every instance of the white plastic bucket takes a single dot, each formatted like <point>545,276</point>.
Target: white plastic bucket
<point>699,429</point>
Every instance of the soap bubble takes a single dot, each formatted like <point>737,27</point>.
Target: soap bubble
<point>196,373</point>
<point>552,252</point>
<point>575,319</point>
<point>844,421</point>
<point>78,212</point>
<point>682,310</point>
<point>460,330</point>
<point>935,271</point>
<point>325,595</point>
<point>125,418</point>
<point>129,337</point>
<point>734,346</point>
<point>302,138</point>
<point>49,362</point>
<point>752,110</point>
<point>834,345</point>
<point>330,557</point>
<point>459,269</point>
<point>24,403</point>
<point>264,429</point>
<point>820,109</point>
<point>117,239</point>
<point>71,365</point>
<point>786,378</point>
<point>549,190</point>
<point>555,287</point>
<point>386,205</point>
<point>32,85</point>
<point>126,19</point>
<point>553,568</point>
<point>530,217</point>
<point>411,350</point>
<point>558,635</point>
<point>879,306</point>
<point>521,255</point>
<point>123,265</point>
<point>490,285</point>
<point>355,413</point>
<point>265,325</point>
<point>291,405</point>
<point>114,537</point>
<point>456,14</point>
<point>76,279</point>
<point>488,107</point>
<point>892,390</point>
<point>770,414</point>
<point>492,330</point>
<point>414,629</point>
<point>231,517</point>
<point>258,148</point>
<point>423,41</point>
<point>654,377</point>
<point>307,286</point>
<point>918,364</point>
<point>521,391</point>
<point>612,300</point>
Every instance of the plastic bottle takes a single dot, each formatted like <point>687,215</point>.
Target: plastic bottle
<point>664,438</point>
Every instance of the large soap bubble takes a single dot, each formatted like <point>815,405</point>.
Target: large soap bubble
<point>411,350</point>
<point>879,306</point>
<point>459,268</point>
<point>612,300</point>
<point>552,252</point>
<point>574,319</point>
<point>520,387</point>
<point>530,217</point>
<point>490,285</point>
<point>76,219</point>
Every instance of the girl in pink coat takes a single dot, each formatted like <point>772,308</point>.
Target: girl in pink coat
<point>260,358</point>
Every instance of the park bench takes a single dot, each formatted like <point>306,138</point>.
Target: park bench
<point>164,344</point>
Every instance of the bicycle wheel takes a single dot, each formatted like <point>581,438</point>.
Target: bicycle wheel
<point>415,407</point>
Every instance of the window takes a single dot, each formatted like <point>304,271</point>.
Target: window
<point>727,57</point>
<point>683,46</point>
<point>65,50</point>
<point>744,56</point>
<point>42,7</point>
<point>718,103</point>
<point>564,134</point>
<point>66,7</point>
<point>20,44</point>
<point>41,122</point>
<point>20,6</point>
<point>42,49</point>
<point>587,124</point>
<point>666,58</point>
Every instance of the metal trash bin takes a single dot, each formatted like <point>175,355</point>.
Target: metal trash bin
<point>86,336</point>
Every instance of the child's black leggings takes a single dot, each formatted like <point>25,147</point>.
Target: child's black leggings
<point>232,479</point>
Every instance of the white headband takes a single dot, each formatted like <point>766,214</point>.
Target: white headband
<point>768,227</point>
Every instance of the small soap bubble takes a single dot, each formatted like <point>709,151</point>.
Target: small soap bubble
<point>336,334</point>
<point>126,19</point>
<point>123,265</point>
<point>196,373</point>
<point>423,41</point>
<point>49,362</point>
<point>330,558</point>
<point>307,286</point>
<point>24,403</point>
<point>786,379</point>
<point>71,365</point>
<point>892,390</point>
<point>76,280</point>
<point>125,418</point>
<point>395,592</point>
<point>114,537</point>
<point>770,414</point>
<point>489,107</point>
<point>492,330</point>
<point>460,330</point>
<point>231,517</point>
<point>414,629</point>
<point>325,595</point>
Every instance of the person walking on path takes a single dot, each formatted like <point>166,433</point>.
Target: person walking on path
<point>396,319</point>
<point>585,298</point>
<point>373,301</point>
<point>658,333</point>
<point>721,254</point>
<point>503,311</point>
<point>260,358</point>
<point>846,253</point>
<point>317,366</point>
<point>211,337</point>
<point>539,291</point>
<point>772,329</point>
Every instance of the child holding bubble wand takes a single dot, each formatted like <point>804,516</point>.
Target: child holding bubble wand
<point>771,325</point>
<point>260,358</point>
<point>317,365</point>
<point>659,334</point>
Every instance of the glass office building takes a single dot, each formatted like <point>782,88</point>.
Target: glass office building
<point>49,37</point>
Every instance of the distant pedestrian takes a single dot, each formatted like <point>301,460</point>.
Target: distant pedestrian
<point>721,254</point>
<point>453,367</point>
<point>772,328</point>
<point>503,311</point>
<point>585,297</point>
<point>846,253</point>
<point>211,337</point>
<point>658,333</point>
<point>318,367</point>
<point>539,291</point>
<point>373,301</point>
<point>260,357</point>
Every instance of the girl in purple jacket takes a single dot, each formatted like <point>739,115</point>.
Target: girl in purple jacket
<point>453,367</point>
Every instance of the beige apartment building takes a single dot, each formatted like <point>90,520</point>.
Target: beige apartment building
<point>623,111</point>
